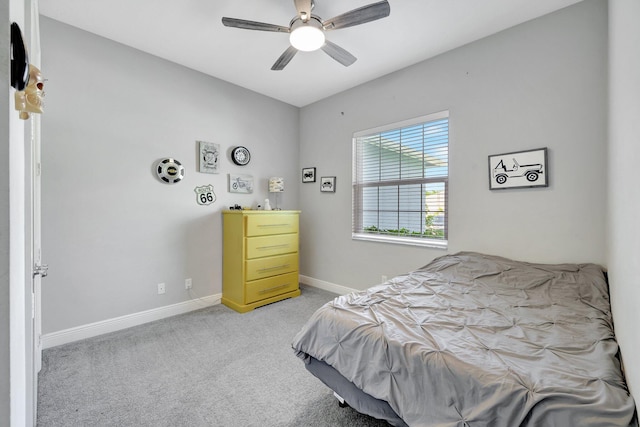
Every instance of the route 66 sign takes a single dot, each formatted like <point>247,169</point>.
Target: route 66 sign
<point>205,195</point>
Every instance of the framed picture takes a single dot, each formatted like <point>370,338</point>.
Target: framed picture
<point>328,184</point>
<point>518,169</point>
<point>309,175</point>
<point>208,156</point>
<point>240,183</point>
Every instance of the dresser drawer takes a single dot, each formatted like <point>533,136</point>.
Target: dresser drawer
<point>261,268</point>
<point>265,224</point>
<point>260,258</point>
<point>265,288</point>
<point>258,247</point>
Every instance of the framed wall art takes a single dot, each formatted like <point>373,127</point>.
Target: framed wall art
<point>520,169</point>
<point>309,175</point>
<point>240,183</point>
<point>208,155</point>
<point>328,184</point>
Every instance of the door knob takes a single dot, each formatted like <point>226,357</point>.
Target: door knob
<point>41,270</point>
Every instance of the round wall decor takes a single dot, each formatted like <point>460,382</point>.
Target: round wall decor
<point>170,170</point>
<point>240,156</point>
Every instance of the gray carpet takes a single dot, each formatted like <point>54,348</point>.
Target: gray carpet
<point>212,367</point>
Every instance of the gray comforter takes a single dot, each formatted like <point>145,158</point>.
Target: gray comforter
<point>478,340</point>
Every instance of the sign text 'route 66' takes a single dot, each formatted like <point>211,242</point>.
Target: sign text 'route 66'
<point>205,195</point>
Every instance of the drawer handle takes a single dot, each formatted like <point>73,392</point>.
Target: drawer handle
<point>264,291</point>
<point>274,225</point>
<point>277,267</point>
<point>285,245</point>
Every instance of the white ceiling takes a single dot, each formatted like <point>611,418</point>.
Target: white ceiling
<point>190,32</point>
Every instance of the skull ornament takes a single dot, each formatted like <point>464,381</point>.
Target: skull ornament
<point>29,100</point>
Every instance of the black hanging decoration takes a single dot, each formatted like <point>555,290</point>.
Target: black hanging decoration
<point>19,59</point>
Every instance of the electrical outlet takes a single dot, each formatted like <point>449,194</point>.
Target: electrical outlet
<point>161,288</point>
<point>187,283</point>
<point>383,278</point>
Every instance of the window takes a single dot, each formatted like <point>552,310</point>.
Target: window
<point>401,180</point>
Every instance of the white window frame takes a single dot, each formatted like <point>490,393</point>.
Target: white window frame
<point>356,186</point>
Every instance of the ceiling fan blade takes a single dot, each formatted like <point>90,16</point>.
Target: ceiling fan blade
<point>303,7</point>
<point>284,58</point>
<point>338,53</point>
<point>359,16</point>
<point>253,25</point>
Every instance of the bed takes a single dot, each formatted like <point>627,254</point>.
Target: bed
<point>475,340</point>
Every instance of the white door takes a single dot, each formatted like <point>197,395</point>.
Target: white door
<point>39,269</point>
<point>25,294</point>
<point>34,274</point>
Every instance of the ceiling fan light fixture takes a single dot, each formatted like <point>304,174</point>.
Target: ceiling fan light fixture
<point>306,30</point>
<point>307,36</point>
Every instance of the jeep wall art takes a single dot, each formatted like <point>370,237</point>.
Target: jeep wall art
<point>518,169</point>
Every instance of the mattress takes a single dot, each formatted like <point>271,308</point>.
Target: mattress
<point>479,340</point>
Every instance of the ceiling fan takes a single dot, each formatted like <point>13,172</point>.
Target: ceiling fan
<point>306,31</point>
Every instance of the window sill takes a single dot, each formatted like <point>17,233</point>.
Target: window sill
<point>428,243</point>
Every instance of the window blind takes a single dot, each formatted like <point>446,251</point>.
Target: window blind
<point>400,180</point>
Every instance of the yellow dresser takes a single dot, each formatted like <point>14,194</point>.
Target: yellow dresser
<point>260,258</point>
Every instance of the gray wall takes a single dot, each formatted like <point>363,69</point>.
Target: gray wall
<point>624,197</point>
<point>111,230</point>
<point>540,84</point>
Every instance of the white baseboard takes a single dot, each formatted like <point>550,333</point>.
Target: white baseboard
<point>116,324</point>
<point>111,325</point>
<point>327,286</point>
